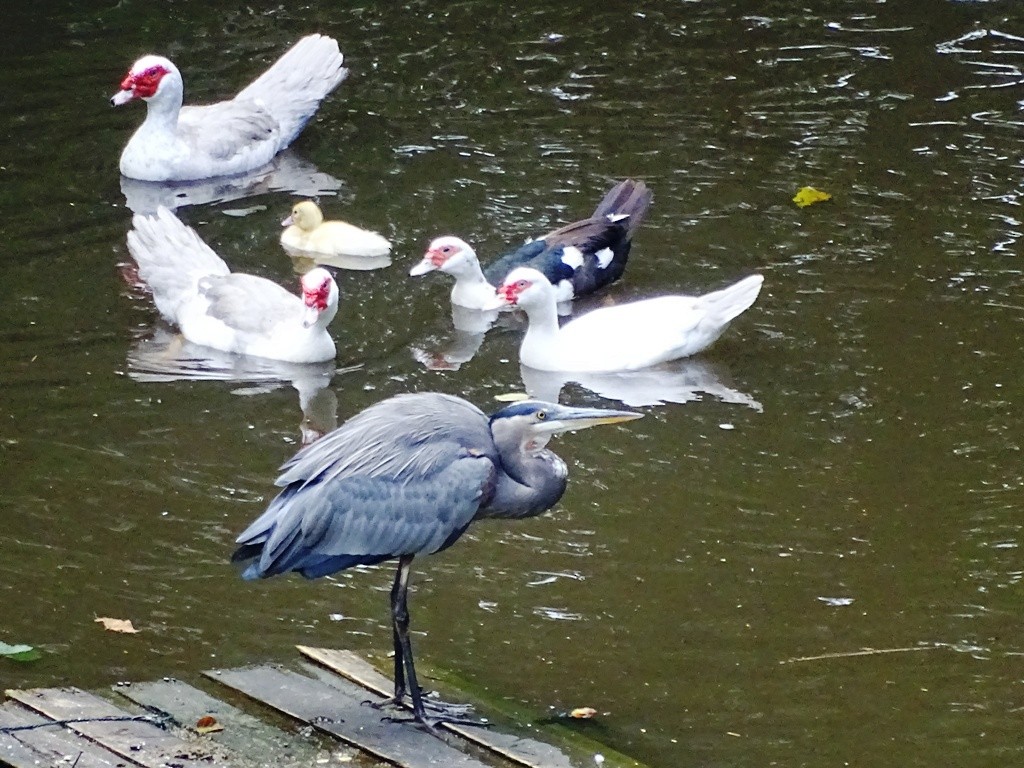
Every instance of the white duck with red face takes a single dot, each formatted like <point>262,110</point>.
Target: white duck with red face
<point>626,337</point>
<point>233,312</point>
<point>455,257</point>
<point>177,143</point>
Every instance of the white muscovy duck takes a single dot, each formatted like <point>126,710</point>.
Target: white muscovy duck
<point>577,259</point>
<point>306,231</point>
<point>233,312</point>
<point>177,143</point>
<point>626,337</point>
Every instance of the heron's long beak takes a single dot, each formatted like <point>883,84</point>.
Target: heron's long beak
<point>564,419</point>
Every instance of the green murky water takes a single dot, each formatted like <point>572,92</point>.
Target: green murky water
<point>855,484</point>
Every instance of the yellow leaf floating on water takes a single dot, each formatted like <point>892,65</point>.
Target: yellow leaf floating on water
<point>809,195</point>
<point>583,713</point>
<point>512,397</point>
<point>117,625</point>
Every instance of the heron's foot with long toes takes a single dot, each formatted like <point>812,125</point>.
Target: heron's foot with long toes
<point>435,712</point>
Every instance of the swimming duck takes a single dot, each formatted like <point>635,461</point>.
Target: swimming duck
<point>177,143</point>
<point>230,311</point>
<point>306,231</point>
<point>577,259</point>
<point>625,337</point>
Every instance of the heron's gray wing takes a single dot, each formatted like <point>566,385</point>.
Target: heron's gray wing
<point>401,439</point>
<point>248,303</point>
<point>325,527</point>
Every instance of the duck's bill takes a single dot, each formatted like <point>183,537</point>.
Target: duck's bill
<point>287,222</point>
<point>497,302</point>
<point>310,317</point>
<point>121,97</point>
<point>422,268</point>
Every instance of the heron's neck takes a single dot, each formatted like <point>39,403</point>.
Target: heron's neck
<point>531,483</point>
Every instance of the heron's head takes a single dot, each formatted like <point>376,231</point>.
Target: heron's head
<point>531,423</point>
<point>449,254</point>
<point>306,215</point>
<point>524,287</point>
<point>145,80</point>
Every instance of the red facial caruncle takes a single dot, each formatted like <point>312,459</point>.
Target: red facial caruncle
<point>143,84</point>
<point>510,293</point>
<point>438,256</point>
<point>316,295</point>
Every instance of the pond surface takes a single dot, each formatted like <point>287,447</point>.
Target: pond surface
<point>846,477</point>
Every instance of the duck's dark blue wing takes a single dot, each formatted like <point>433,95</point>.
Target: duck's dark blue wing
<point>590,253</point>
<point>496,271</point>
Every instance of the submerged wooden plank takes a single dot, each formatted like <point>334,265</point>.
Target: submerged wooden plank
<point>243,733</point>
<point>51,744</point>
<point>343,714</point>
<point>522,750</point>
<point>143,743</point>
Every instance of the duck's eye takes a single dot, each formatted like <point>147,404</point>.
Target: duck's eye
<point>446,249</point>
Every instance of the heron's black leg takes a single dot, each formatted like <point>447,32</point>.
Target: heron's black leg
<point>405,669</point>
<point>397,598</point>
<point>403,647</point>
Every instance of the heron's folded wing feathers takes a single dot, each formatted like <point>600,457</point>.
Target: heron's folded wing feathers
<point>403,438</point>
<point>329,526</point>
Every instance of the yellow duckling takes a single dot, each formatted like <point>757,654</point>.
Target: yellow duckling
<point>309,233</point>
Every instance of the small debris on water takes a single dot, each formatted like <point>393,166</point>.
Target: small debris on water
<point>836,601</point>
<point>726,425</point>
<point>240,212</point>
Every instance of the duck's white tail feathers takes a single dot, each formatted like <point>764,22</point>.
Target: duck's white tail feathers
<point>172,259</point>
<point>296,83</point>
<point>724,305</point>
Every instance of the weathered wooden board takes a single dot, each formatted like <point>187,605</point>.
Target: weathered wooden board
<point>344,714</point>
<point>524,751</point>
<point>250,737</point>
<point>51,745</point>
<point>137,741</point>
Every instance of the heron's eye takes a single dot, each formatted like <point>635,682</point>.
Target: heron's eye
<point>541,415</point>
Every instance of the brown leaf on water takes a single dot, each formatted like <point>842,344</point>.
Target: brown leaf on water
<point>208,724</point>
<point>583,713</point>
<point>117,625</point>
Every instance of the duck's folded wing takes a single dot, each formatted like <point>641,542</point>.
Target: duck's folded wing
<point>229,128</point>
<point>250,304</point>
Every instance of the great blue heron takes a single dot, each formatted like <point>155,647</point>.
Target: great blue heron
<point>406,477</point>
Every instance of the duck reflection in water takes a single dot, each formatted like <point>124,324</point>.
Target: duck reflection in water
<point>470,327</point>
<point>287,172</point>
<point>166,356</point>
<point>681,381</point>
